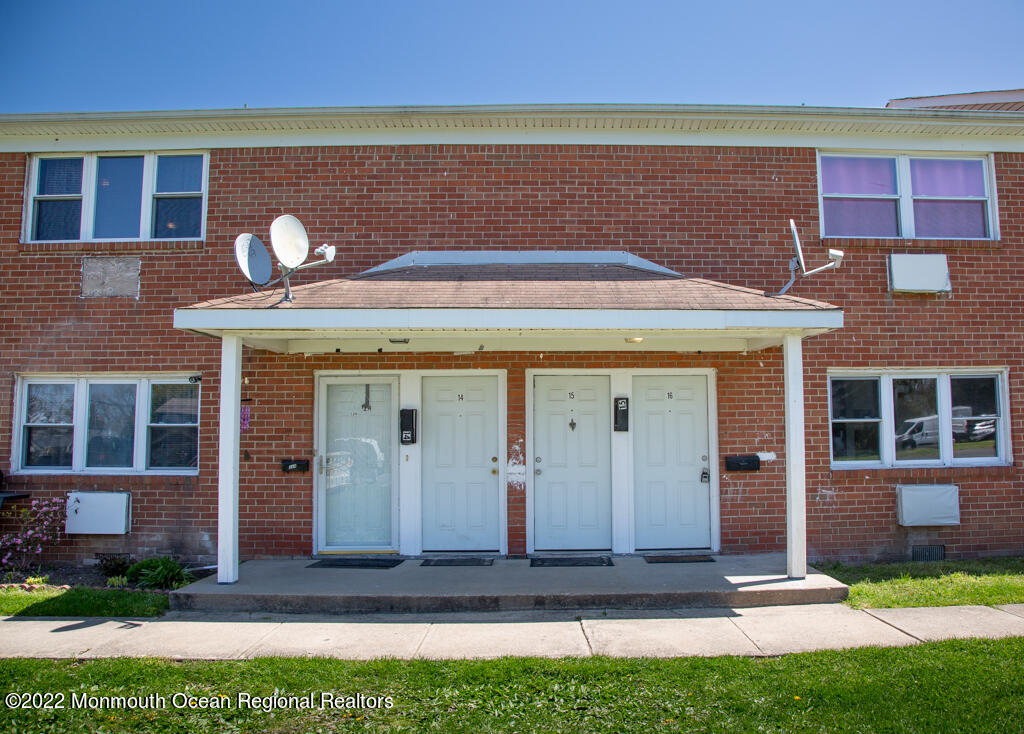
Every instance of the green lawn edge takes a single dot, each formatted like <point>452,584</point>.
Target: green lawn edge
<point>79,601</point>
<point>952,686</point>
<point>989,581</point>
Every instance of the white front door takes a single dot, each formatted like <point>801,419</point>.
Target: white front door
<point>572,463</point>
<point>670,455</point>
<point>359,492</point>
<point>460,464</point>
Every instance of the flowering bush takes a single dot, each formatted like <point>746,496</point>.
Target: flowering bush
<point>40,526</point>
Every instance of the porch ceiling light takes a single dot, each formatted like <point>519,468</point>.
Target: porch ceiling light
<point>634,339</point>
<point>399,341</point>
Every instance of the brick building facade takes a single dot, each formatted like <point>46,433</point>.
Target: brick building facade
<point>704,192</point>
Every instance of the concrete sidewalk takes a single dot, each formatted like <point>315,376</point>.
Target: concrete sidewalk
<point>757,631</point>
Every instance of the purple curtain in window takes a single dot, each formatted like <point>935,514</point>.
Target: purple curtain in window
<point>937,218</point>
<point>861,218</point>
<point>952,178</point>
<point>870,176</point>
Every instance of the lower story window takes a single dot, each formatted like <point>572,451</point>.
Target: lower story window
<point>902,419</point>
<point>108,424</point>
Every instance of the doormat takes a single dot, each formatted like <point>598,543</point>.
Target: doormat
<point>356,563</point>
<point>679,559</point>
<point>457,562</point>
<point>571,561</point>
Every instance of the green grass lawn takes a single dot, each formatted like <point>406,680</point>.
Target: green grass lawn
<point>52,601</point>
<point>922,584</point>
<point>956,686</point>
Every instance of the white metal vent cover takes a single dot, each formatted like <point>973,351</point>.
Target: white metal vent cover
<point>98,513</point>
<point>927,504</point>
<point>919,274</point>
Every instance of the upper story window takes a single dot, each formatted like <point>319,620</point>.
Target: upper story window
<point>116,197</point>
<point>906,196</point>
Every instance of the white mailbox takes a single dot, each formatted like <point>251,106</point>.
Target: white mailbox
<point>99,513</point>
<point>928,504</point>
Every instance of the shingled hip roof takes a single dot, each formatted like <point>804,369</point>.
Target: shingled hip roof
<point>535,296</point>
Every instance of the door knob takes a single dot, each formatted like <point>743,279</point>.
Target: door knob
<point>537,472</point>
<point>494,471</point>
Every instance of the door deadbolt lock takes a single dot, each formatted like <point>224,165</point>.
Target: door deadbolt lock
<point>494,459</point>
<point>538,459</point>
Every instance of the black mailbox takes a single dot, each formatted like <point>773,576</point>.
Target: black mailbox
<point>746,462</point>
<point>621,414</point>
<point>289,465</point>
<point>407,425</point>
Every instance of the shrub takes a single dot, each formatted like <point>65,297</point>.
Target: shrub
<point>114,564</point>
<point>117,582</point>
<point>159,573</point>
<point>40,526</point>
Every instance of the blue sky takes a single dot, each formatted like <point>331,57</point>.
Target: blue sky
<point>106,55</point>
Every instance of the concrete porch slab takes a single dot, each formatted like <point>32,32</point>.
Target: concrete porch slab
<point>290,586</point>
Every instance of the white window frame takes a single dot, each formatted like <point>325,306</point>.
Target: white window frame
<point>904,192</point>
<point>80,421</point>
<point>887,427</point>
<point>88,195</point>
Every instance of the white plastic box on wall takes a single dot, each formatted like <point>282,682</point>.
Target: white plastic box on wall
<point>927,504</point>
<point>920,273</point>
<point>99,513</point>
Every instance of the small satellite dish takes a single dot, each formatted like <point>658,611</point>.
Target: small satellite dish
<point>289,240</point>
<point>253,258</point>
<point>797,264</point>
<point>796,244</point>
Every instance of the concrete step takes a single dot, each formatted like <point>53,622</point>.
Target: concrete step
<point>292,587</point>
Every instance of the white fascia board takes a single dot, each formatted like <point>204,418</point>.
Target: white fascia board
<point>326,320</point>
<point>940,141</point>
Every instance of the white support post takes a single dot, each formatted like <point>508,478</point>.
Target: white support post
<point>796,480</point>
<point>227,459</point>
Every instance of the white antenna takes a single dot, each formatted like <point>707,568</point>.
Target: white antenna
<point>291,245</point>
<point>797,263</point>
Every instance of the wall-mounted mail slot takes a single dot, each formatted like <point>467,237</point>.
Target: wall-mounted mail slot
<point>745,462</point>
<point>290,465</point>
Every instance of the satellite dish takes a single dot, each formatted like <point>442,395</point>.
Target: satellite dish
<point>796,244</point>
<point>797,265</point>
<point>289,240</point>
<point>253,258</point>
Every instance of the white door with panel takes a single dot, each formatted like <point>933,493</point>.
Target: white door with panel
<point>572,463</point>
<point>671,472</point>
<point>460,464</point>
<point>359,492</point>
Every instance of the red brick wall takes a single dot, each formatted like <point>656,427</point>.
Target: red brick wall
<point>710,212</point>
